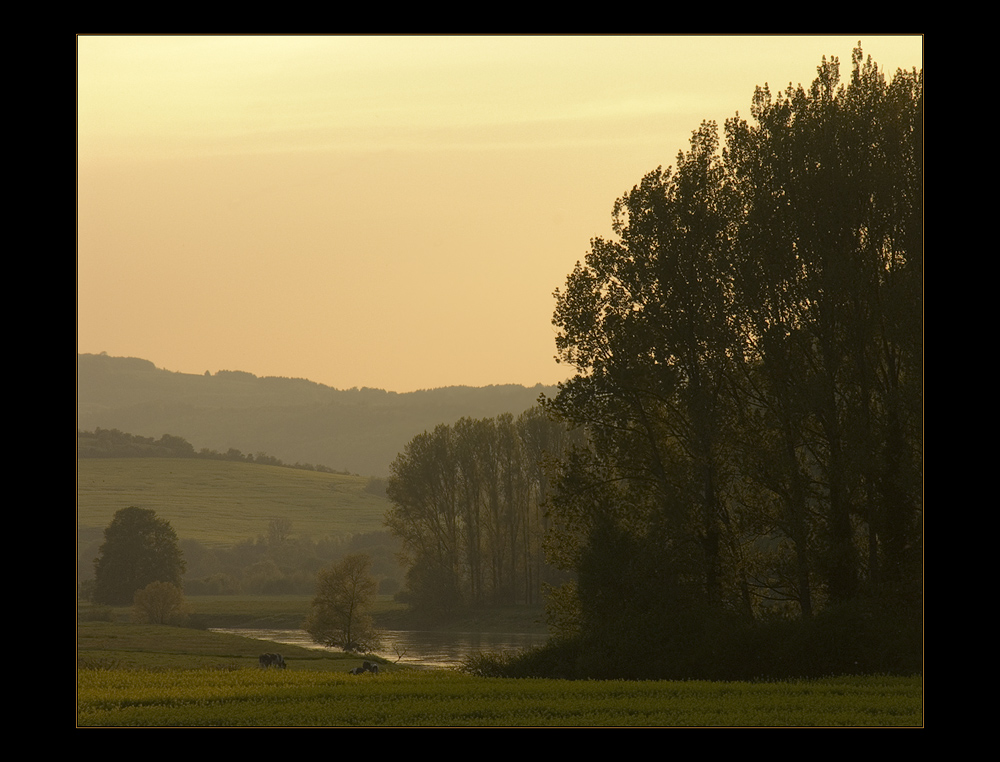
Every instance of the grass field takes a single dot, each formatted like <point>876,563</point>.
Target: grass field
<point>105,645</point>
<point>300,698</point>
<point>140,675</point>
<point>222,503</point>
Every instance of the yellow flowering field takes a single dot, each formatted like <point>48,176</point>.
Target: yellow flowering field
<point>440,698</point>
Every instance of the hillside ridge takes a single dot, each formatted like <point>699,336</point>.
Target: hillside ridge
<point>293,419</point>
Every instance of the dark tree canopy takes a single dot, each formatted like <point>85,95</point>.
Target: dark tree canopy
<point>468,507</point>
<point>139,548</point>
<point>748,351</point>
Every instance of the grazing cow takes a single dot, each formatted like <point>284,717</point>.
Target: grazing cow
<point>366,667</point>
<point>271,660</point>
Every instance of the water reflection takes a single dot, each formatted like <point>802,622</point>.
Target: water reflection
<point>427,649</point>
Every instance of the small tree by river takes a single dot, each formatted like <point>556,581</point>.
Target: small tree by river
<point>341,611</point>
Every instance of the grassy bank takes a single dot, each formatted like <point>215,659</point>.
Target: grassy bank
<point>103,646</point>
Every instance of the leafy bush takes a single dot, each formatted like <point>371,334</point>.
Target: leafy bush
<point>556,659</point>
<point>159,603</point>
<point>489,664</point>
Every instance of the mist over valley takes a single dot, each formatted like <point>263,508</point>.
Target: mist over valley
<point>358,431</point>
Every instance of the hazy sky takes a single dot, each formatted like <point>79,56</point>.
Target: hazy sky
<point>392,212</point>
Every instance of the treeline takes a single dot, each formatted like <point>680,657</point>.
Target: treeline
<point>281,563</point>
<point>112,443</point>
<point>276,562</point>
<point>468,506</point>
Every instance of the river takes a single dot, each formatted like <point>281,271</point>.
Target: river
<point>416,648</point>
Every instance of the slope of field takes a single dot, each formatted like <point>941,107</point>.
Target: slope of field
<point>222,503</point>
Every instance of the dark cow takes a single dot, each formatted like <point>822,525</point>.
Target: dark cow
<point>366,667</point>
<point>271,660</point>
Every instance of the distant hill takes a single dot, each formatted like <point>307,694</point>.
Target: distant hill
<point>295,420</point>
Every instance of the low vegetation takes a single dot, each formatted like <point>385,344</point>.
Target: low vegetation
<point>294,697</point>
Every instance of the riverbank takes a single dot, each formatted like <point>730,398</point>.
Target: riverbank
<point>154,675</point>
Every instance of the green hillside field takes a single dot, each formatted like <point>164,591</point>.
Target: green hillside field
<point>221,503</point>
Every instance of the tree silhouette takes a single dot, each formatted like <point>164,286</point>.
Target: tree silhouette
<point>139,548</point>
<point>748,350</point>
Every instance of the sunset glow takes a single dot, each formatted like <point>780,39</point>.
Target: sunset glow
<point>383,211</point>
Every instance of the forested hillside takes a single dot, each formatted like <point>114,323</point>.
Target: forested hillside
<point>295,420</point>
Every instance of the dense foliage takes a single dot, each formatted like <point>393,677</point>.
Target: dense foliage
<point>139,548</point>
<point>467,505</point>
<point>748,351</point>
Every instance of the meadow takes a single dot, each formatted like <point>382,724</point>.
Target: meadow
<point>221,503</point>
<point>144,676</point>
<point>441,698</point>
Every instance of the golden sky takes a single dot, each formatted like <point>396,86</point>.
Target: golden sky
<point>392,212</point>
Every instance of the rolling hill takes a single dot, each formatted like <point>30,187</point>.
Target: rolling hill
<point>298,421</point>
<point>214,505</point>
<point>222,503</point>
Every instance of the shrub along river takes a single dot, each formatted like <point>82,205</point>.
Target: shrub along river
<point>417,648</point>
